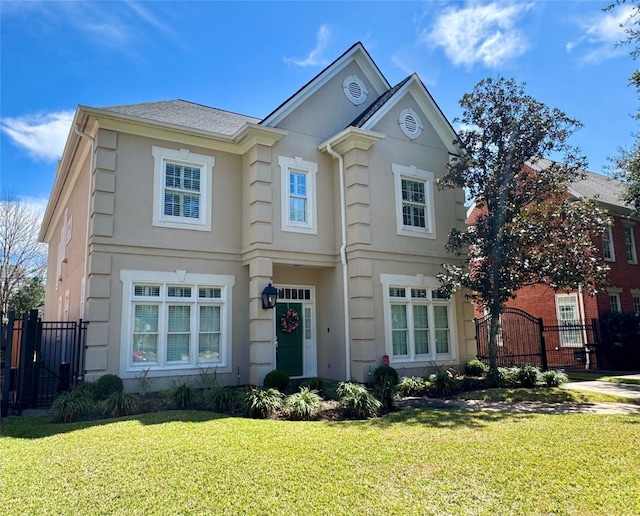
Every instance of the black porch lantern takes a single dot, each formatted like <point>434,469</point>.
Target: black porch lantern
<point>269,296</point>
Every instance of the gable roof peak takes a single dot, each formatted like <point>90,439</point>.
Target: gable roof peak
<point>358,53</point>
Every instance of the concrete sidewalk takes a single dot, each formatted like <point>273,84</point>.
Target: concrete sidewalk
<point>628,390</point>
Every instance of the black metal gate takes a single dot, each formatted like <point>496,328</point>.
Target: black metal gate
<point>525,340</point>
<point>520,339</point>
<point>40,359</point>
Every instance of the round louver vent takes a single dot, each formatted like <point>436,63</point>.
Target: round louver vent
<point>410,123</point>
<point>355,90</point>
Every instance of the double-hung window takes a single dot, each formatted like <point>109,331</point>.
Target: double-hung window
<point>182,189</point>
<point>607,245</point>
<point>298,206</point>
<point>175,321</point>
<point>629,243</point>
<point>414,201</point>
<point>419,320</point>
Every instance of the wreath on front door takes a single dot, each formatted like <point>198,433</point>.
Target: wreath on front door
<point>290,321</point>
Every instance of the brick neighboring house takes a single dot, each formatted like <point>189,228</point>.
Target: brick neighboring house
<point>618,247</point>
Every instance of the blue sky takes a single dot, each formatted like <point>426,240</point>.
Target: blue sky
<point>248,57</point>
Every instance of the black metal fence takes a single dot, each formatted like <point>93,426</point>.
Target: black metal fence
<point>40,360</point>
<point>526,340</point>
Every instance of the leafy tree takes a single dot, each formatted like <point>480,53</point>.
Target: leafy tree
<point>21,255</point>
<point>627,164</point>
<point>28,296</point>
<point>529,230</point>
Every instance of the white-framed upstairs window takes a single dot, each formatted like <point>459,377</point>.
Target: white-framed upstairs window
<point>614,299</point>
<point>299,195</point>
<point>630,244</point>
<point>182,189</point>
<point>607,245</point>
<point>414,201</point>
<point>419,320</point>
<point>175,323</point>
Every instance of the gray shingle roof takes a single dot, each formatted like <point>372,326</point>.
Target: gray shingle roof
<point>380,101</point>
<point>603,188</point>
<point>187,114</point>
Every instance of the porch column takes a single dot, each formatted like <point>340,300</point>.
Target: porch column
<point>261,328</point>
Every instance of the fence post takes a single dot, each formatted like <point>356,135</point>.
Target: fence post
<point>543,345</point>
<point>6,342</point>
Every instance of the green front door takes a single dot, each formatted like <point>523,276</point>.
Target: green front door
<point>289,338</point>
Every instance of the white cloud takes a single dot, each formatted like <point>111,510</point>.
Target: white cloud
<point>315,57</point>
<point>478,33</point>
<point>601,34</point>
<point>43,135</point>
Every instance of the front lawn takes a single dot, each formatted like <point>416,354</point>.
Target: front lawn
<point>543,394</point>
<point>410,462</point>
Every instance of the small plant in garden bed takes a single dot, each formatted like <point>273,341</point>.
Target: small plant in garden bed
<point>412,386</point>
<point>444,383</point>
<point>303,405</point>
<point>528,376</point>
<point>554,378</point>
<point>263,403</point>
<point>221,399</point>
<point>120,404</point>
<point>476,368</point>
<point>106,385</point>
<point>182,396</point>
<point>356,401</point>
<point>74,405</point>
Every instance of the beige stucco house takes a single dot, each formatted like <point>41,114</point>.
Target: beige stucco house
<point>167,220</point>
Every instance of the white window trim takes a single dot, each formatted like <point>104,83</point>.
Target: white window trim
<point>128,278</point>
<point>413,173</point>
<point>614,292</point>
<point>420,281</point>
<point>609,233</point>
<point>635,295</point>
<point>298,164</point>
<point>634,254</point>
<point>162,155</point>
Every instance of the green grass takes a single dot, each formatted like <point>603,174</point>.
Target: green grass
<point>412,462</point>
<point>617,379</point>
<point>585,376</point>
<point>544,394</point>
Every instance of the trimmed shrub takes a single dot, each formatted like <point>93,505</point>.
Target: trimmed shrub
<point>182,396</point>
<point>384,374</point>
<point>303,405</point>
<point>356,401</point>
<point>276,379</point>
<point>120,404</point>
<point>528,376</point>
<point>73,405</point>
<point>262,403</point>
<point>476,368</point>
<point>412,386</point>
<point>554,378</point>
<point>106,385</point>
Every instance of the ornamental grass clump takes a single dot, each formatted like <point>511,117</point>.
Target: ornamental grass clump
<point>412,386</point>
<point>182,396</point>
<point>528,376</point>
<point>221,399</point>
<point>74,405</point>
<point>356,401</point>
<point>444,383</point>
<point>554,378</point>
<point>303,405</point>
<point>262,403</point>
<point>120,404</point>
